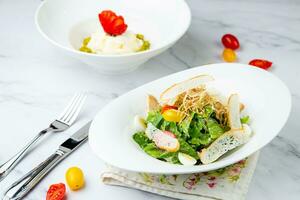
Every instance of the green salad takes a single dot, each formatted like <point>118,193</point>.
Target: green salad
<point>195,129</point>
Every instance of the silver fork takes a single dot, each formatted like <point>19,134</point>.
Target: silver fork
<point>63,122</point>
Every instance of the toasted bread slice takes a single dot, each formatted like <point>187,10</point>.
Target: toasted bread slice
<point>162,140</point>
<point>234,112</point>
<point>225,143</point>
<point>176,89</point>
<point>152,103</point>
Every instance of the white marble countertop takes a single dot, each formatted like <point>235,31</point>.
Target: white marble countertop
<point>36,82</point>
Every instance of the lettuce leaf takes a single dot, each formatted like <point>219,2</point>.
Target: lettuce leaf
<point>141,139</point>
<point>214,128</point>
<point>155,118</point>
<point>204,139</point>
<point>146,144</point>
<point>170,126</point>
<point>175,160</point>
<point>204,129</point>
<point>197,125</point>
<point>170,157</point>
<point>152,150</point>
<point>185,125</point>
<point>208,112</point>
<point>187,149</point>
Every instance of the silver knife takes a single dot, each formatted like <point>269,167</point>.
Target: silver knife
<point>23,186</point>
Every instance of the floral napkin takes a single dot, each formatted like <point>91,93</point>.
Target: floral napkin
<point>227,183</point>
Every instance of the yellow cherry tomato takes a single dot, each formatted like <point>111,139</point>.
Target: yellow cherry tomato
<point>229,55</point>
<point>75,178</point>
<point>172,115</point>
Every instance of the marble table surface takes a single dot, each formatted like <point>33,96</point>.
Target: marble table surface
<point>36,81</point>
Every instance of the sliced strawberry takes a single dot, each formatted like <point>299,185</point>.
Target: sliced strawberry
<point>118,26</point>
<point>105,16</point>
<point>111,23</point>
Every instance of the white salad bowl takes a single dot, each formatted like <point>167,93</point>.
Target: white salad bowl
<point>65,23</point>
<point>266,98</point>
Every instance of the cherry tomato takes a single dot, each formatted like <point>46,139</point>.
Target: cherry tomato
<point>167,107</point>
<point>170,134</point>
<point>56,192</point>
<point>172,115</point>
<point>230,41</point>
<point>75,178</point>
<point>229,55</point>
<point>264,64</point>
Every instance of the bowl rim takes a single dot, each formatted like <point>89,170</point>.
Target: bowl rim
<point>160,47</point>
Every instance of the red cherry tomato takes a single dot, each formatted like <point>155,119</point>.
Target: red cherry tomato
<point>167,107</point>
<point>230,41</point>
<point>264,64</point>
<point>56,192</point>
<point>170,134</point>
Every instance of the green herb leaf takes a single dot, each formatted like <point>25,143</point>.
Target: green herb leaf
<point>245,119</point>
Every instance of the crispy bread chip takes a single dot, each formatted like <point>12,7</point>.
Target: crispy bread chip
<point>178,88</point>
<point>152,103</point>
<point>234,112</point>
<point>225,143</point>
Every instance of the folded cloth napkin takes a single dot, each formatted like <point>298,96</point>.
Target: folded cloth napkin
<point>226,183</point>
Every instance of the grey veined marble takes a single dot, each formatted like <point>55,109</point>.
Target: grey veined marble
<point>36,81</point>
